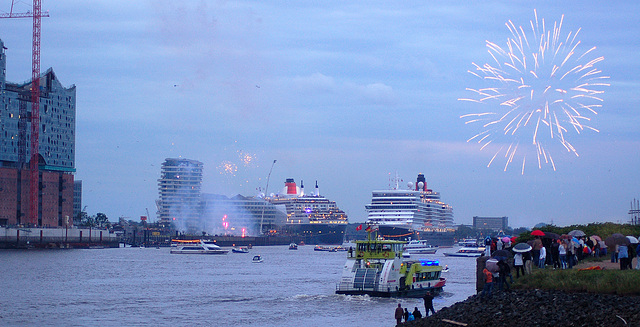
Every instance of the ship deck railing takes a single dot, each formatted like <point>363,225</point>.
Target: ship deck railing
<point>376,287</point>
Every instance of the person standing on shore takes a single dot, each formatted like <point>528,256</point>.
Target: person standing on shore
<point>562,252</point>
<point>528,263</point>
<point>623,256</point>
<point>398,314</point>
<point>428,304</point>
<point>488,283</point>
<point>518,263</point>
<point>543,257</point>
<point>537,245</point>
<point>416,313</point>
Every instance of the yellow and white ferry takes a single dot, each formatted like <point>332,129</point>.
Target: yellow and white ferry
<point>377,268</point>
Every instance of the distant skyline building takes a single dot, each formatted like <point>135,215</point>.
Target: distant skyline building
<point>492,223</point>
<point>56,151</point>
<point>179,186</point>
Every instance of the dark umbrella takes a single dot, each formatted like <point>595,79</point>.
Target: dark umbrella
<point>550,235</point>
<point>577,233</point>
<point>522,247</point>
<point>537,232</point>
<point>501,254</point>
<point>616,239</point>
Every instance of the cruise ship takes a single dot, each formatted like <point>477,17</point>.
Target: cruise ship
<point>414,213</point>
<point>317,219</point>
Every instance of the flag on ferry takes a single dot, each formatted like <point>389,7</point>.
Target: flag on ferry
<point>359,227</point>
<point>368,228</point>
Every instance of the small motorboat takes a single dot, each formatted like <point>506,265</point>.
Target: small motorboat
<point>445,269</point>
<point>293,246</point>
<point>256,259</point>
<point>240,250</point>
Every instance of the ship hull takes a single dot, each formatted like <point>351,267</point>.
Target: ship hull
<point>406,234</point>
<point>313,234</point>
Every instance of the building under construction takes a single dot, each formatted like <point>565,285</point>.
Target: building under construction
<point>56,151</point>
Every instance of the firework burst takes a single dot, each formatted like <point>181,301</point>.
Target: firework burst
<point>540,89</point>
<point>227,168</point>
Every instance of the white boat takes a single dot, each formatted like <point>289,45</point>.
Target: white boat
<point>468,242</point>
<point>256,259</point>
<point>418,247</point>
<point>240,250</point>
<point>197,247</point>
<point>293,246</point>
<point>467,251</point>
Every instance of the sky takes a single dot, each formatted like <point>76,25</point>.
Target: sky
<point>346,93</point>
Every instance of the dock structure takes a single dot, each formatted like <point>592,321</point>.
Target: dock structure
<point>28,238</point>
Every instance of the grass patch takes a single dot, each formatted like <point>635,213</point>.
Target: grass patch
<point>620,282</point>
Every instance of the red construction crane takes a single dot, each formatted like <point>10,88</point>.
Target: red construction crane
<point>34,188</point>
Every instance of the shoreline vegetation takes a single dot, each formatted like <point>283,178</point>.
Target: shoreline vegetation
<point>594,293</point>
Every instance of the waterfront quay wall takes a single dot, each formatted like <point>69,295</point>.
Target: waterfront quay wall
<point>17,237</point>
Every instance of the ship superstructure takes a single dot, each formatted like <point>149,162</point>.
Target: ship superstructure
<point>313,216</point>
<point>416,213</point>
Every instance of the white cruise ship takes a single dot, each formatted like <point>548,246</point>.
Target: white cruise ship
<point>414,213</point>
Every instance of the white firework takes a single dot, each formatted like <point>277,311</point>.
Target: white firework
<point>540,89</point>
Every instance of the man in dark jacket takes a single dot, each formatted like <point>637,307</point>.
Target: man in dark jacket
<point>428,304</point>
<point>398,315</point>
<point>504,272</point>
<point>416,313</point>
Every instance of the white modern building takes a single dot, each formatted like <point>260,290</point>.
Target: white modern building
<point>180,185</point>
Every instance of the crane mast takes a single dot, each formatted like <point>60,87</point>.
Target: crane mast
<point>34,174</point>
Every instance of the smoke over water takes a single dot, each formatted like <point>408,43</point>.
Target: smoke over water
<point>223,216</point>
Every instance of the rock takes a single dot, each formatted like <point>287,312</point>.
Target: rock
<point>539,308</point>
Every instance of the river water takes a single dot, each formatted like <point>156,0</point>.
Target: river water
<point>151,287</point>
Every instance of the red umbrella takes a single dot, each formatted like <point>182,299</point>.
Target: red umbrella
<point>513,239</point>
<point>537,232</point>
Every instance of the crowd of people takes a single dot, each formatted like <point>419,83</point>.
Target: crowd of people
<point>550,251</point>
<point>406,315</point>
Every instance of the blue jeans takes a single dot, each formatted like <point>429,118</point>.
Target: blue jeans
<point>486,290</point>
<point>541,262</point>
<point>563,261</point>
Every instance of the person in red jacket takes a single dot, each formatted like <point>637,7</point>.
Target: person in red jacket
<point>488,283</point>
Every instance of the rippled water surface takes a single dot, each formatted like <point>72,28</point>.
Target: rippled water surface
<point>135,287</point>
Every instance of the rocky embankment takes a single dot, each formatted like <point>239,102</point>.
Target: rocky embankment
<point>538,308</point>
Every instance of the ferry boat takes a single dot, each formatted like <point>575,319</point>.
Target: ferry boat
<point>418,247</point>
<point>196,247</point>
<point>314,217</point>
<point>413,213</point>
<point>468,242</point>
<point>376,268</point>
